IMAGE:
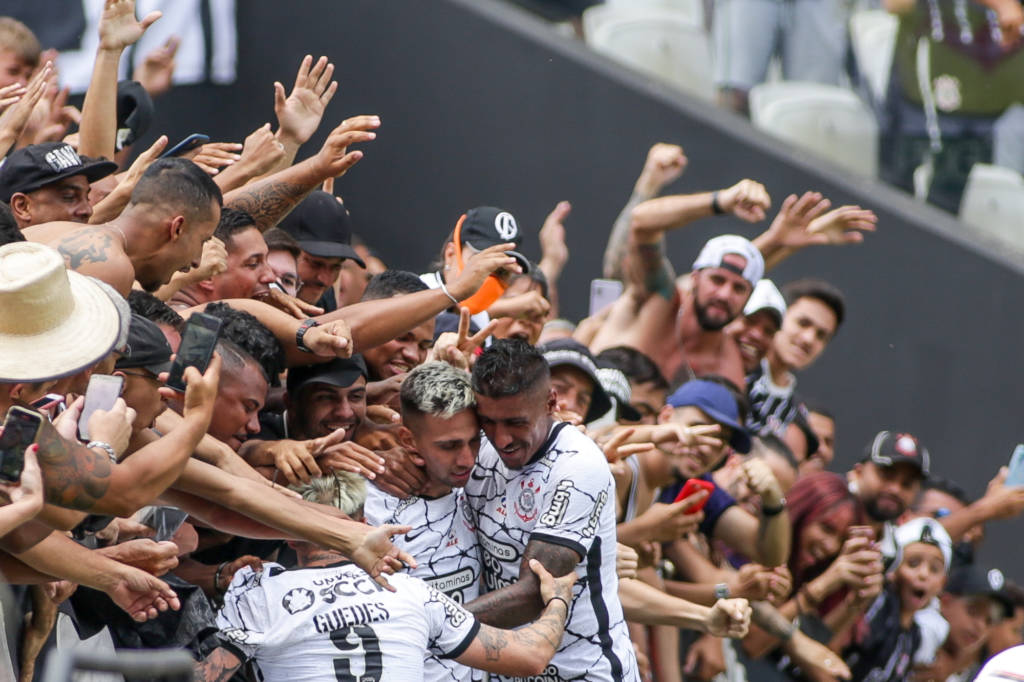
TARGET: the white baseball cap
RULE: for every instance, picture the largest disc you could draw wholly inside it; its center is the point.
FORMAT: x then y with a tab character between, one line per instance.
716	249
766	296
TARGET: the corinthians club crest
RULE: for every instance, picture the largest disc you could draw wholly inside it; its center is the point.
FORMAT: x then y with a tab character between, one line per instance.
526	504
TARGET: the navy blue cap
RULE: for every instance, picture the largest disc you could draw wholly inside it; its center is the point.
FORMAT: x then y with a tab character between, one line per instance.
717	402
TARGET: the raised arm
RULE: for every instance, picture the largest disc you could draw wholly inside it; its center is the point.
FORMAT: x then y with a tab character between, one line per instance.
299	114
118	30
664	164
648	605
270	199
528	650
769	535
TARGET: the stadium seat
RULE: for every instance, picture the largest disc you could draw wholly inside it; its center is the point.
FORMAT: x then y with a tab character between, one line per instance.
825	119
993	201
662	41
873	37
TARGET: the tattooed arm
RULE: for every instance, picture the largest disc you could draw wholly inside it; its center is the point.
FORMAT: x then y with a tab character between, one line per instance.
521	601
272	198
528	650
98	252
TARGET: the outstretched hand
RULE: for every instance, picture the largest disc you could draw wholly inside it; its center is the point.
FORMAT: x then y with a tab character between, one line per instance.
299	114
376	554
334	159
118	26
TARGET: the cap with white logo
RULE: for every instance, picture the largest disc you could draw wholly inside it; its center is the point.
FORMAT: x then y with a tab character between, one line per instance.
486	226
37	165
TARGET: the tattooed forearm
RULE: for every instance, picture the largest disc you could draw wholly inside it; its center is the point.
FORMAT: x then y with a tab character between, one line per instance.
546	631
494	640
618	242
219	665
74	476
268	200
654	269
85	246
768	618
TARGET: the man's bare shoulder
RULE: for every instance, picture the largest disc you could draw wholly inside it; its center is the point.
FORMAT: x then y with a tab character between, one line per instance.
94	251
47	233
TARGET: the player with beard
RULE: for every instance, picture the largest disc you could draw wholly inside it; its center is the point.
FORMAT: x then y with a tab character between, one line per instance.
888	480
681	331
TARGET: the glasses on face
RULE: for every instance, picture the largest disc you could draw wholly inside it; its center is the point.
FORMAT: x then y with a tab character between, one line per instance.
290	281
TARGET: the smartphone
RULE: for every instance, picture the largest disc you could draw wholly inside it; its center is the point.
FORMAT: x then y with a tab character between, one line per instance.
1016	474
603	292
20	430
102	393
690	487
188	144
197	344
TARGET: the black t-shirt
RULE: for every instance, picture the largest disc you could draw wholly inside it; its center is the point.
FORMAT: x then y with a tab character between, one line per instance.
882	651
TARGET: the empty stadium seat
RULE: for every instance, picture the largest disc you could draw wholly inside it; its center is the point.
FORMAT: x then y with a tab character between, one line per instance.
993	201
826	119
873	37
662	41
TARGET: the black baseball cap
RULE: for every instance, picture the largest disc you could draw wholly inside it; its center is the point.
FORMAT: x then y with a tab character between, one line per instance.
562	352
889	448
486	226
340	372
147	347
134	113
37	165
972	580
322	227
616	385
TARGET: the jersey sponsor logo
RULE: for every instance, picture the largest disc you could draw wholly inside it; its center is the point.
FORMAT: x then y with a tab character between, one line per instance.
526	506
495	555
550	674
595	516
298	600
453	583
452	611
559	504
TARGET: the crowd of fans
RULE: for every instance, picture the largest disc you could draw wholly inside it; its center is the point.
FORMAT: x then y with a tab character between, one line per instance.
384	475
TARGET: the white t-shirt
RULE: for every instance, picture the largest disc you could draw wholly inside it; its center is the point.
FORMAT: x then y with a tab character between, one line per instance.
566	496
335	624
443	540
1006	666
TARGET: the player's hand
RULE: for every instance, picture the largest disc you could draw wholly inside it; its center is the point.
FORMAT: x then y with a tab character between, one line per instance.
747	200
376	555
626	561
227	574
550	586
729	618
113	426
814	656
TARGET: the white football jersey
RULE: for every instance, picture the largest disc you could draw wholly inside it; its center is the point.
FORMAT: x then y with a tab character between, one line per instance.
335	624
443	540
566	496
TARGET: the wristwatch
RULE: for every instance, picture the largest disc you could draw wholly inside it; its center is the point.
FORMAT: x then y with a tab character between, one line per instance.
301	332
773	511
722	591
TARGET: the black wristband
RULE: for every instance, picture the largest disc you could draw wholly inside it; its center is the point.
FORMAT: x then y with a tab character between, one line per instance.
548	602
716	207
774	511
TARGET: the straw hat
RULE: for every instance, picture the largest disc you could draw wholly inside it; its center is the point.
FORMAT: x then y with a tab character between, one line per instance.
53	322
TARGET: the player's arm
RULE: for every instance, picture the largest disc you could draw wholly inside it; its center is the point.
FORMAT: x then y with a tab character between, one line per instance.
521	602
218	666
528	650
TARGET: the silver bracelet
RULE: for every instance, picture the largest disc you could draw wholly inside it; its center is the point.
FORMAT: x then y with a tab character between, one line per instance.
106	447
448	293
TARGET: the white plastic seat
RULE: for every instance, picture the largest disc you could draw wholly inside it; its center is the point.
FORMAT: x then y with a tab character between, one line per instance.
666	42
873	37
828	120
993	201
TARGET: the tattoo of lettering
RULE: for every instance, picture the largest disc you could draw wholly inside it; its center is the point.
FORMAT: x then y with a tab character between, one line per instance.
85	246
656	271
219	665
268	201
74	476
